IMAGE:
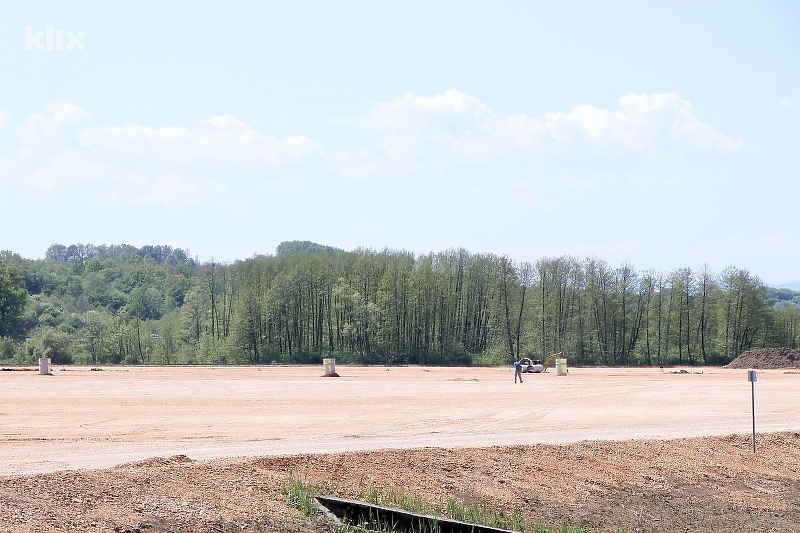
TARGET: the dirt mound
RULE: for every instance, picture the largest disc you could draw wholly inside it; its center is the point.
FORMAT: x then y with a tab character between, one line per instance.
708	484
767	358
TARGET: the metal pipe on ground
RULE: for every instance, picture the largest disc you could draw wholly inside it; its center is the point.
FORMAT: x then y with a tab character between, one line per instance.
362	513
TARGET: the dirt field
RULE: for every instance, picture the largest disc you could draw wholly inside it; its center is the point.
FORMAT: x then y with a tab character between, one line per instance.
641	448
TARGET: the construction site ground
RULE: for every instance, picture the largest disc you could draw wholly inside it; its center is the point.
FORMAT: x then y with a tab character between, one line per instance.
207	448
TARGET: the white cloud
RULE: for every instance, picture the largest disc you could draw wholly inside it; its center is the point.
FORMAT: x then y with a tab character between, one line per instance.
453	129
644	123
65	172
56	124
599	129
432	134
58	151
450	108
218	140
700	135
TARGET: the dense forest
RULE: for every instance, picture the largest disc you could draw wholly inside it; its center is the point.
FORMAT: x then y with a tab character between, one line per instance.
86	304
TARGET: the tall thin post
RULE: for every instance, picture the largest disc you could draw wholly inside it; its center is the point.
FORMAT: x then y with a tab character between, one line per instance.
753	395
752	377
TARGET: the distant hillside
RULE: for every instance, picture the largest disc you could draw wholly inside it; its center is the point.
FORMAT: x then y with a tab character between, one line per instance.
782	297
793	286
306	247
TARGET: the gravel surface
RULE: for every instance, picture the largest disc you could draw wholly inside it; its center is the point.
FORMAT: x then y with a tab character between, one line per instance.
699	484
207	449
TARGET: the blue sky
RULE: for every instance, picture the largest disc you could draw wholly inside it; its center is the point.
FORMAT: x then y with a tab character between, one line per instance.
664	134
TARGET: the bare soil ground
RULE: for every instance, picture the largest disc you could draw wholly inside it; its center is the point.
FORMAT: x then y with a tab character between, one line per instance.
767	358
207	449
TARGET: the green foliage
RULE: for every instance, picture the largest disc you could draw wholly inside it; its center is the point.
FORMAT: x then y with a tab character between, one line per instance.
480	513
154	305
300	495
55	345
13	297
305	247
8	348
783	298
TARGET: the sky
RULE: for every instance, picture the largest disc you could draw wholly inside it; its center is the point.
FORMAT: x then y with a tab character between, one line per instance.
659	134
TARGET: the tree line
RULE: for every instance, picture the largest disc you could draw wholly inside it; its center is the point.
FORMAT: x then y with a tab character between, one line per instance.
156	305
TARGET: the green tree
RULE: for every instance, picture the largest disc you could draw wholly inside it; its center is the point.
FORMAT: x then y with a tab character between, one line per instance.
106	303
508	279
248	328
55	345
706	289
13	298
94	330
745	309
786	327
168	337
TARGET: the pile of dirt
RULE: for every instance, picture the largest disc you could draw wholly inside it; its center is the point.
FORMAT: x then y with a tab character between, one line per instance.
710	484
767	358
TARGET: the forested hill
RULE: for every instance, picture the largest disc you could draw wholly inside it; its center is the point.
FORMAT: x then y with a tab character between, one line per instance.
305	247
88	304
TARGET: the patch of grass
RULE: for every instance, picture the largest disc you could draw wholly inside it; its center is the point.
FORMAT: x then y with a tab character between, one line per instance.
456	509
300	495
479	513
399	499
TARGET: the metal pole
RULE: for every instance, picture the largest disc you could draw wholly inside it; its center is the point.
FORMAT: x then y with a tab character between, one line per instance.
753	394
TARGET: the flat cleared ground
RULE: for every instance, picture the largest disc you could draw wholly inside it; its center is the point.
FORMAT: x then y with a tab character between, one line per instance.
207	449
79	418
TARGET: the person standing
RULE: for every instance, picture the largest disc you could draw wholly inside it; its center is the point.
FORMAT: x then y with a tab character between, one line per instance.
517	371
